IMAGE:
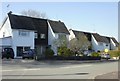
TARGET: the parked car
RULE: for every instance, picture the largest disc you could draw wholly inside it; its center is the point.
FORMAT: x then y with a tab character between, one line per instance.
7	53
105	56
28	54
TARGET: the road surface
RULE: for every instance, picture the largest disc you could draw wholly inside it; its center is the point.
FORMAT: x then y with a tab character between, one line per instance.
29	69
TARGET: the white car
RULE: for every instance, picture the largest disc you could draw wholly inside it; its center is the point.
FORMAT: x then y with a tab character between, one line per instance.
105	56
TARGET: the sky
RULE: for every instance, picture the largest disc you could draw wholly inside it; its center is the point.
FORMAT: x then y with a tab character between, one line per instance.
95	17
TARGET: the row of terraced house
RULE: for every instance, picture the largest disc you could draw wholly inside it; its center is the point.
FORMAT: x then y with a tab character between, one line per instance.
23	33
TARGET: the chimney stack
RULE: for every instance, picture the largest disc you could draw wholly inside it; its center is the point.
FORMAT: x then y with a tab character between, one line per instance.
9	12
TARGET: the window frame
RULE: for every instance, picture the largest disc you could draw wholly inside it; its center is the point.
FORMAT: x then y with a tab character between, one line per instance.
35	35
24	33
42	36
100	44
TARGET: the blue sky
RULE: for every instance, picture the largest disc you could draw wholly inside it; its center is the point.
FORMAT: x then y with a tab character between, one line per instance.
99	17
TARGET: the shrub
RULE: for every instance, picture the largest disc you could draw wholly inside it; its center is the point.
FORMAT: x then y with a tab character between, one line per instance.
49	52
68	53
61	51
65	52
95	54
114	53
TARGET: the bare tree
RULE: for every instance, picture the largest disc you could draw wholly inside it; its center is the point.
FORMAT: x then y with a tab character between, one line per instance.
61	41
80	43
34	13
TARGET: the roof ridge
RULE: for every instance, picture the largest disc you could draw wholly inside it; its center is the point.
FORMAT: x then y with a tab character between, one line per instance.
27	16
55	20
82	31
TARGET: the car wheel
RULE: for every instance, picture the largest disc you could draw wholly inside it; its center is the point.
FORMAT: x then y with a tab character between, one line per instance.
7	57
12	57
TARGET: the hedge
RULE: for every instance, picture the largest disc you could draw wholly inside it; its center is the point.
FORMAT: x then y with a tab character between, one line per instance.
95	54
114	53
65	52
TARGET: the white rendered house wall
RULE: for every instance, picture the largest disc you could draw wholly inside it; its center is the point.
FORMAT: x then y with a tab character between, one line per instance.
5	30
72	35
51	38
99	46
113	45
22	41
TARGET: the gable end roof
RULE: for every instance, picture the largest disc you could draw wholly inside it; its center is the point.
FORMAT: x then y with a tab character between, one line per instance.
58	27
21	22
115	41
87	34
100	38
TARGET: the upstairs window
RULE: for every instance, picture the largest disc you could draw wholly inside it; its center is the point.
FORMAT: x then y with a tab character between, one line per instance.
42	36
36	35
106	44
23	33
100	43
3	34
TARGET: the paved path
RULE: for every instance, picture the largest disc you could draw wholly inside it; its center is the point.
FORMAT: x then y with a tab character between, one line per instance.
111	75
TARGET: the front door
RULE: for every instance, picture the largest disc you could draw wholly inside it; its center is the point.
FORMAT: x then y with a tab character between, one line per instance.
19	51
40	50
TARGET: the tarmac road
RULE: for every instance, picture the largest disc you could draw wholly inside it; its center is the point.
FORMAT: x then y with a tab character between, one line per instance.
30	69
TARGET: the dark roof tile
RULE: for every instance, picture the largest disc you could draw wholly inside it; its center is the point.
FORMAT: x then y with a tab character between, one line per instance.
100	38
21	22
115	41
58	27
87	34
